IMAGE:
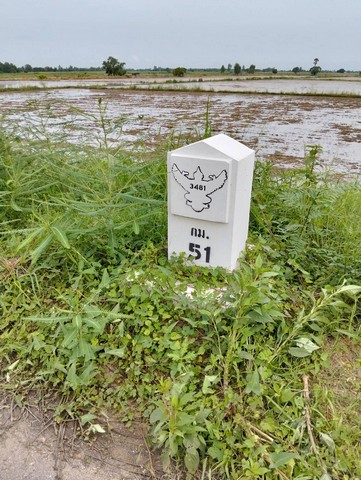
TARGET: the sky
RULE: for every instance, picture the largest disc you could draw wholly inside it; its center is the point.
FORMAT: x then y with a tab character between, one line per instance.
190	33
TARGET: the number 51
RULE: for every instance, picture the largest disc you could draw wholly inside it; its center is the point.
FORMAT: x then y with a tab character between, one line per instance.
195	248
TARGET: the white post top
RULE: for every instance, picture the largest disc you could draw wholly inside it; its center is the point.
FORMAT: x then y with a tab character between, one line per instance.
219	146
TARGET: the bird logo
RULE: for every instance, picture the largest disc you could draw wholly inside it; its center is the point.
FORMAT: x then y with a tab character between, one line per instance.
198	188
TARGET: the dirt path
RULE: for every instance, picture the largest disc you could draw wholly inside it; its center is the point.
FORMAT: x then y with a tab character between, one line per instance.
32	449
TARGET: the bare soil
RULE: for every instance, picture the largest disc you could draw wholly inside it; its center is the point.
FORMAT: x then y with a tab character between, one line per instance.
32	447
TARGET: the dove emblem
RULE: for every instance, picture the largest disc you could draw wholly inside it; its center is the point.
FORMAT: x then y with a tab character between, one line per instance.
198	188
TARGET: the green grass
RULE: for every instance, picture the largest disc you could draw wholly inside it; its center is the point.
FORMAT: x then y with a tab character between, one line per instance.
245	378
53	75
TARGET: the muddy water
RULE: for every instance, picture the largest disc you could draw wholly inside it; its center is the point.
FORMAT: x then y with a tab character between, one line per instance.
309	86
332	86
277	127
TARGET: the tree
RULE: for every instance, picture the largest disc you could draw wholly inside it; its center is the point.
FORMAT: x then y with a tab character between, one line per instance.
296	69
179	71
237	68
251	68
7	67
315	69
113	67
229	67
27	68
223	69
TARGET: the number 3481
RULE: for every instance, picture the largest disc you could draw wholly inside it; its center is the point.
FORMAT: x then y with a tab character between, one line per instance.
197	186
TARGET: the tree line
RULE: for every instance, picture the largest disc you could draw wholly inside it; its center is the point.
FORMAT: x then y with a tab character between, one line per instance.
237	69
113	67
7	67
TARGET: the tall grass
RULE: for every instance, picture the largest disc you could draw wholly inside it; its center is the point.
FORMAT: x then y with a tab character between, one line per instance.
311	218
79	200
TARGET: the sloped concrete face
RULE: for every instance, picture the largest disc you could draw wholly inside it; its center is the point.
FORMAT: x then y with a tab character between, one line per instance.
209	194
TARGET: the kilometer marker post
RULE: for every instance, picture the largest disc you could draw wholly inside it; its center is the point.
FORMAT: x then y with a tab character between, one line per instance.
209	196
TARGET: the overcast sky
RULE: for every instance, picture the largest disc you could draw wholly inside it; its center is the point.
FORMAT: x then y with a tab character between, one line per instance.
189	33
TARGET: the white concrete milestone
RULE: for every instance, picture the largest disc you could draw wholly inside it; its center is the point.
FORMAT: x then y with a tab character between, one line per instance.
209	196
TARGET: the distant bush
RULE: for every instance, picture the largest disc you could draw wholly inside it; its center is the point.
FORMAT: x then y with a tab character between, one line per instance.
315	70
179	71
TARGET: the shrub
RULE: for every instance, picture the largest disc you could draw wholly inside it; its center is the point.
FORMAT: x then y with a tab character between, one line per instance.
179	71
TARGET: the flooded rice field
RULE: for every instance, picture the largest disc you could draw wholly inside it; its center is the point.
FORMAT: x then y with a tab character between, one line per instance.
307	86
297	86
278	127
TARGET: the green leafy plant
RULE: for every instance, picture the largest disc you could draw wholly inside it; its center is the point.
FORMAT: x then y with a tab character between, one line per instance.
178	423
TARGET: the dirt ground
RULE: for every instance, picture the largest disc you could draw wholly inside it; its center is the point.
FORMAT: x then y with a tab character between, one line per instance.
32	449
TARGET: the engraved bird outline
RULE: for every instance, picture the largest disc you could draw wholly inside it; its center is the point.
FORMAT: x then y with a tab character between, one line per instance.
198	199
